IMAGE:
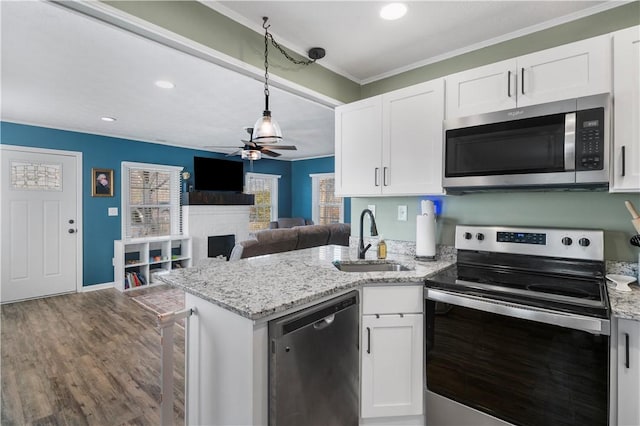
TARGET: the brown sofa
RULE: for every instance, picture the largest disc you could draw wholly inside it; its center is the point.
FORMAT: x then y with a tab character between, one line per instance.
289	222
270	241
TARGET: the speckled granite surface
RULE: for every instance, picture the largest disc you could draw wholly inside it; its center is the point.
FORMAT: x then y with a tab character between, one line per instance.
624	304
261	286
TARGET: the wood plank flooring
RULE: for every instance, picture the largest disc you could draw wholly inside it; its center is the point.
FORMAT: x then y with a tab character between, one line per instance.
84	359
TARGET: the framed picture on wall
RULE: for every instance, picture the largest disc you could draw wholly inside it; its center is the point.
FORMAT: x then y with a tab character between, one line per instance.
102	182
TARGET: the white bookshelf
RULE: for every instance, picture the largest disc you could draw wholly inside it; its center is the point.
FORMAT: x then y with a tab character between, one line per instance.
146	257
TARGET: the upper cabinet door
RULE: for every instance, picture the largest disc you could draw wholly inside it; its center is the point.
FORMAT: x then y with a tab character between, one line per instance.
483	89
412	139
626	98
358	146
569	71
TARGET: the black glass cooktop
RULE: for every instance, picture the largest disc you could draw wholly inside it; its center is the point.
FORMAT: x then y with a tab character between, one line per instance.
558	289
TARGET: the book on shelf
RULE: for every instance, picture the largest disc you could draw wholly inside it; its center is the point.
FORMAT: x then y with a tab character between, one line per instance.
134	279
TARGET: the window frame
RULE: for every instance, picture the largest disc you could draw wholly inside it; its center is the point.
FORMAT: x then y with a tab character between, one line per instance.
175	226
274	191
315	196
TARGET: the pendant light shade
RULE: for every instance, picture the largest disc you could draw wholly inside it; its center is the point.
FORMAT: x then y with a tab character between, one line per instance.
266	129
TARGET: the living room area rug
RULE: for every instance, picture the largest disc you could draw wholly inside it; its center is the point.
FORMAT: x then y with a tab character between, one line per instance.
159	299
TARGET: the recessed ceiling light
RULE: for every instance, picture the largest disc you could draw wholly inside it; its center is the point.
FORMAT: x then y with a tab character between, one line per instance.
393	11
109	119
164	84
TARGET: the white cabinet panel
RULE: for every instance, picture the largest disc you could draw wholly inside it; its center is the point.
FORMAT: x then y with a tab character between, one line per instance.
392	365
391	144
482	89
564	72
626	99
412	139
569	71
628	372
393	300
358	145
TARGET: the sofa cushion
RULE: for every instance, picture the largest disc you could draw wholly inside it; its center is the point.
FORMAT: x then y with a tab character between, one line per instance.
287	222
312	236
271	241
339	233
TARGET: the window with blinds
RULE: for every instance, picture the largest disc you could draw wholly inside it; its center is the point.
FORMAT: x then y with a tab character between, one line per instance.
150	200
326	207
265	209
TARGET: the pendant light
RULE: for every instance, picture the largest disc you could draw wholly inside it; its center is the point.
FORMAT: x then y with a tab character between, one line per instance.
266	130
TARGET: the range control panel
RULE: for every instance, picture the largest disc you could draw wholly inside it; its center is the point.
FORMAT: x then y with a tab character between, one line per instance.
587	244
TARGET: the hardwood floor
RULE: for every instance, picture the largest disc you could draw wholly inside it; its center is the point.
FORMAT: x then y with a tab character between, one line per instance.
84	359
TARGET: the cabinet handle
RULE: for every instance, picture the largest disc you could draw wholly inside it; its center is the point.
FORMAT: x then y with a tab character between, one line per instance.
375	176
384	176
509	83
368	340
626	350
522	80
623	160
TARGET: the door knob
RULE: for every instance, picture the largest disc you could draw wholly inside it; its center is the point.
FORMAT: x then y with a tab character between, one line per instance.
71	231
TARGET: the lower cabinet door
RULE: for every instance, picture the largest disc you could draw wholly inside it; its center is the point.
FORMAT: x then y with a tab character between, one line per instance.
628	372
392	370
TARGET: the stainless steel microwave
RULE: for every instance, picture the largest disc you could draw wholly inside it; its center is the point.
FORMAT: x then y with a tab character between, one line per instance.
562	144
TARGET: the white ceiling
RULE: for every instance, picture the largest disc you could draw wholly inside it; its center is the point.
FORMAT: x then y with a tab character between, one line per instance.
65	70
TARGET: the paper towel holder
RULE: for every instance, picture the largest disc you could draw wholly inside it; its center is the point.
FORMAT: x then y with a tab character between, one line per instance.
425	258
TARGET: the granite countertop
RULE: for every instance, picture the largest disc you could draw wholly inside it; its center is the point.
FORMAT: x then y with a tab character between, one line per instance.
624	304
260	286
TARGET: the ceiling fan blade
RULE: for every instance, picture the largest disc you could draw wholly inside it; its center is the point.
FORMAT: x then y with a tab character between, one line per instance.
286	147
270	153
234	153
250	143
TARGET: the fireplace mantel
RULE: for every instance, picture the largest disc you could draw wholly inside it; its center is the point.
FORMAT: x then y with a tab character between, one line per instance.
212	198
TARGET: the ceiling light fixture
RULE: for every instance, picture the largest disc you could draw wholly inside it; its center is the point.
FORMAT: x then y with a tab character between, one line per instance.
393	11
251	154
266	129
108	119
164	84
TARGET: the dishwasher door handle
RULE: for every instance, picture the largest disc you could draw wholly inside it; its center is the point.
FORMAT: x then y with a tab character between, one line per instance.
325	322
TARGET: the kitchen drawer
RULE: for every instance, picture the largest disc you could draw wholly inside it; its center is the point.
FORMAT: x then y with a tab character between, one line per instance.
393	299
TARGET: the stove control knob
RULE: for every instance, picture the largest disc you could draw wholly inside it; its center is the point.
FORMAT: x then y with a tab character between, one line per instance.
480	236
584	242
467	235
567	241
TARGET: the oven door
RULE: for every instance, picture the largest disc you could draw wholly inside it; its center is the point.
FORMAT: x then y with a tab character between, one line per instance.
525	366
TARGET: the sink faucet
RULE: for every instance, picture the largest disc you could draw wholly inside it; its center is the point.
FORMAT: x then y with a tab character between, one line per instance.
374	232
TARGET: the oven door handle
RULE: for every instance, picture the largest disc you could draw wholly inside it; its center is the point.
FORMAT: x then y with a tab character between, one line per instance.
566	320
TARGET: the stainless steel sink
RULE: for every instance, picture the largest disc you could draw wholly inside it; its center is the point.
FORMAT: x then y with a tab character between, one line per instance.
370	267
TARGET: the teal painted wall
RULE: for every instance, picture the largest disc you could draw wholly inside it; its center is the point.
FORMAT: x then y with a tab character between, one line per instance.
101	230
597	210
301	185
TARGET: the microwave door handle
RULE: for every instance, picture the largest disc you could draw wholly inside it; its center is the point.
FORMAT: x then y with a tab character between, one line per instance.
570	141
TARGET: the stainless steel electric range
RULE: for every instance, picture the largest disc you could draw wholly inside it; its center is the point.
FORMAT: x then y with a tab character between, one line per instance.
517	331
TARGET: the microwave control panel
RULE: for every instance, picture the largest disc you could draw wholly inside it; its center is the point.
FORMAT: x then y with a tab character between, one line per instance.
590	139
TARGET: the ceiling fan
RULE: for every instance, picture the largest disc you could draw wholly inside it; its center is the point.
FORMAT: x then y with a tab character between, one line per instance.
266	149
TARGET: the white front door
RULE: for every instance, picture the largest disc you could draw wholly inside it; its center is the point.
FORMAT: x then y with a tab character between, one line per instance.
39	223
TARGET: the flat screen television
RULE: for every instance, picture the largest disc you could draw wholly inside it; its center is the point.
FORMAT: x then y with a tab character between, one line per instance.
213	174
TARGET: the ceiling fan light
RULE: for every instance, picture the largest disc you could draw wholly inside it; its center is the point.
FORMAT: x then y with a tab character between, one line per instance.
266	130
251	154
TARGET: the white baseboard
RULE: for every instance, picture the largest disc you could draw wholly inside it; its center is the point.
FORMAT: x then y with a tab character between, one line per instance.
96	287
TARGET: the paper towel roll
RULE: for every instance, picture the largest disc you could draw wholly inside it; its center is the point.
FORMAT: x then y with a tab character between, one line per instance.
425	235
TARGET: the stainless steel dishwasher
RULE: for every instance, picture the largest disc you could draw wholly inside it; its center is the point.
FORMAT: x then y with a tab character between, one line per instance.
313	365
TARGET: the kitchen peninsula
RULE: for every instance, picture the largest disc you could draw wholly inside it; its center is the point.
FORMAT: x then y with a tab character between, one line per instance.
233	301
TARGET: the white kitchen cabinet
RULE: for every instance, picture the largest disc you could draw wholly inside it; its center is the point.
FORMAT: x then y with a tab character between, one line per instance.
626	99
392	352
391	144
628	372
568	71
358	147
